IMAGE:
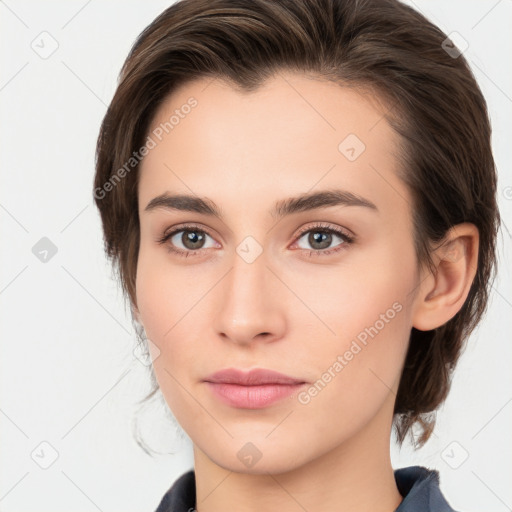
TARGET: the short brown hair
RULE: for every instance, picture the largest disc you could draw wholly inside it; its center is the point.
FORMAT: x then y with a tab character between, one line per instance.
434	103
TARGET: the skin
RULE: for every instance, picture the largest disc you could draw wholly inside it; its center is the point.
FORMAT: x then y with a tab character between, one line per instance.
287	310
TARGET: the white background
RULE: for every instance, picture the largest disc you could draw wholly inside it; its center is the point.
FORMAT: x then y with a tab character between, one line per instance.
67	373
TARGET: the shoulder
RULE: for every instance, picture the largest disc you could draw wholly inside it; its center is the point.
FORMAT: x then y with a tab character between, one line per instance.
181	497
420	488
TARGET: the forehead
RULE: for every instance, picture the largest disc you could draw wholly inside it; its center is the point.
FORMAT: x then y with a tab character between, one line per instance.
283	99
293	133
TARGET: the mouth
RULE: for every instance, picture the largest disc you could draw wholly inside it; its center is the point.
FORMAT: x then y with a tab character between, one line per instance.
256	377
255	389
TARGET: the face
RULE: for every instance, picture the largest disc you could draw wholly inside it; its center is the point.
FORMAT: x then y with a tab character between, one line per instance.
320	290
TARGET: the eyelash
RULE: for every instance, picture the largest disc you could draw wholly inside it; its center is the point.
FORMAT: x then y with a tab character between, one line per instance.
320	227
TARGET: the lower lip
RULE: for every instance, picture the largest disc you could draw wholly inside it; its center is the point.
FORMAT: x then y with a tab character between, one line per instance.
252	397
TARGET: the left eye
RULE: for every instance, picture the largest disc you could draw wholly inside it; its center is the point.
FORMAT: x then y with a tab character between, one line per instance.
322	238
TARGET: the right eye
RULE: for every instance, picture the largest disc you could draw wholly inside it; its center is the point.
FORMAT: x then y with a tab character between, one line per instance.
185	240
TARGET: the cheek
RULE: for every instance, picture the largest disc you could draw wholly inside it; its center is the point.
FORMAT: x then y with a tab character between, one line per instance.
164	292
160	296
170	299
353	294
363	329
163	303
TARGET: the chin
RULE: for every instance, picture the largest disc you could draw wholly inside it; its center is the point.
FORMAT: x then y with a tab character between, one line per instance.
258	456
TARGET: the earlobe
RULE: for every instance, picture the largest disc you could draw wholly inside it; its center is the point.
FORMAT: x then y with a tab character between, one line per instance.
445	288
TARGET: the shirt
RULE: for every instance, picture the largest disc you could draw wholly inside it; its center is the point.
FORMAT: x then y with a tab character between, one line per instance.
419	487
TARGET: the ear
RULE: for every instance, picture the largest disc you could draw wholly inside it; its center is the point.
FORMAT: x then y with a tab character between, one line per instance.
444	289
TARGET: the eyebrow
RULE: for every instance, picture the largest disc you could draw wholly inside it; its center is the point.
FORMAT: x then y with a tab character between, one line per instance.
282	208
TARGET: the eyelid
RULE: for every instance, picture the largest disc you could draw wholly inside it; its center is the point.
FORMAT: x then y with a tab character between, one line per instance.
327	227
183	227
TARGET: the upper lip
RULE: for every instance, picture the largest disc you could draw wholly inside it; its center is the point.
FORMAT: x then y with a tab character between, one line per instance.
254	377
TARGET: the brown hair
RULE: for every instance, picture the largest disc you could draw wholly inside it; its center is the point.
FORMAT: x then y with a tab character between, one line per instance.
434	103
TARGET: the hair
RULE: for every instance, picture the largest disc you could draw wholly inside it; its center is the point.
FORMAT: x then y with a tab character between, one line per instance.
433	103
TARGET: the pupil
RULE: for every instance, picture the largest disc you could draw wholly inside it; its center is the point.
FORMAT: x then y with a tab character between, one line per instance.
321	238
191	239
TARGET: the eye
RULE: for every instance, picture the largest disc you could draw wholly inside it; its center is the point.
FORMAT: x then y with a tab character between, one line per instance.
186	240
321	237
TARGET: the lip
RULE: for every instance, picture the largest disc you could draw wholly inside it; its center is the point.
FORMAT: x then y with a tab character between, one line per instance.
258	376
255	389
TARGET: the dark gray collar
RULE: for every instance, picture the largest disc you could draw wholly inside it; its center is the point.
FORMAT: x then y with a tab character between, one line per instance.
418	485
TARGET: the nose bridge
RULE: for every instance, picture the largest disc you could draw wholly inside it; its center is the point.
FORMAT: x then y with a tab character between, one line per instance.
249	302
248	282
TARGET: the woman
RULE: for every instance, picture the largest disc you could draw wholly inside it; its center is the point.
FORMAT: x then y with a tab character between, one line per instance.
300	199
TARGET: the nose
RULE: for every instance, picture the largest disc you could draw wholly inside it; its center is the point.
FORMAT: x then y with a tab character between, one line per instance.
251	303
